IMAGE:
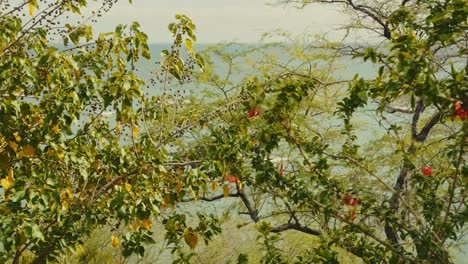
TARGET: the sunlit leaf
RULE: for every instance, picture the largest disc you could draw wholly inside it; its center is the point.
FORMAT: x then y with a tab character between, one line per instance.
189	45
147	224
214	186
29	150
60	154
226	190
7	182
135	131
14	146
114	241
56	129
31	8
190	238
17	137
239	184
118	127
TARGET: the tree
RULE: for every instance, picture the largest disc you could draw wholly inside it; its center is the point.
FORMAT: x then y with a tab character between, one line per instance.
285	143
72	114
278	151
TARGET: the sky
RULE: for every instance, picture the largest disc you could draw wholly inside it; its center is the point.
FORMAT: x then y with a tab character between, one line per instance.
222	20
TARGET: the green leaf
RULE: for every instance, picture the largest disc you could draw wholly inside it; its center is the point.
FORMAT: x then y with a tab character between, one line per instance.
51	181
33	231
19	195
242	259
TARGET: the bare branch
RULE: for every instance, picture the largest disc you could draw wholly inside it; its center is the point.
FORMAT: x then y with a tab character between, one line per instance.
391	110
417	113
212	199
295	226
427	128
253	212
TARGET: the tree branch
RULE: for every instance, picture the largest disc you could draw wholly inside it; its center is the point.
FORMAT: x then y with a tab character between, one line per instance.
392	110
417	113
295	226
427	128
211	199
253	212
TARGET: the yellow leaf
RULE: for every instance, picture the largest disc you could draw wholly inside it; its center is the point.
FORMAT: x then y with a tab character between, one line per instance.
31	8
115	241
239	184
69	192
214	186
56	129
7	183
226	190
118	127
28	150
128	187
14	146
60	154
136	224
190	238
189	45
17	137
135	131
147	224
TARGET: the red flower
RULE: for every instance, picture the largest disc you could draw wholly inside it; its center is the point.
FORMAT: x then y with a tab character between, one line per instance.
457	106
254	112
231	178
426	171
462	113
349	200
281	170
353	201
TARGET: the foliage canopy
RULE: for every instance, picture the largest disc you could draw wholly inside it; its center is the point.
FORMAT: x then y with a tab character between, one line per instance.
86	143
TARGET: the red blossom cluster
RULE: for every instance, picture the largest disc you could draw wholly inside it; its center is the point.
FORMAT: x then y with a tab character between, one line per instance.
254	112
349	200
426	171
231	178
462	113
